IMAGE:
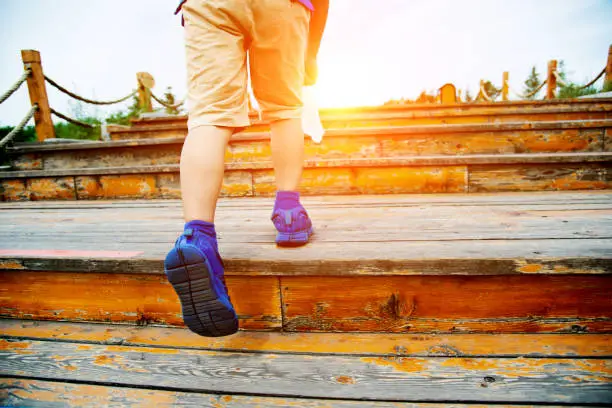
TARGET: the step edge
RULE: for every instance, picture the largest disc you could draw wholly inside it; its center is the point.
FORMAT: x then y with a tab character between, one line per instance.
402	161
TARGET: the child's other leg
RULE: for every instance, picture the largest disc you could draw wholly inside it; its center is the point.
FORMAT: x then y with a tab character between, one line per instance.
277	61
287	153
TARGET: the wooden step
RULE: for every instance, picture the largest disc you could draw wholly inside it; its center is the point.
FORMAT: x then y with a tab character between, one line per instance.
342	144
384	175
163	366
503	263
402	115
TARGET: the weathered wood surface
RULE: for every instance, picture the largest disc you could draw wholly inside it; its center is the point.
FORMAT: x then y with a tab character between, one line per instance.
376	344
16	392
500	304
336	124
406	115
138	299
459	379
472	304
399	161
367	177
568	128
540	177
535	233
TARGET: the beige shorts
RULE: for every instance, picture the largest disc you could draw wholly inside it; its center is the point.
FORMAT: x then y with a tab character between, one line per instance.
218	36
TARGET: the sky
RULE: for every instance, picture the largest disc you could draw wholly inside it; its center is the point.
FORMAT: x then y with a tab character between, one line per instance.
372	51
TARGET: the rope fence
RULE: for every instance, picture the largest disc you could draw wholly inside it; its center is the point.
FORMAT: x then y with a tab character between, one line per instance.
83	99
603	71
166	105
19	127
41	111
71	120
16	85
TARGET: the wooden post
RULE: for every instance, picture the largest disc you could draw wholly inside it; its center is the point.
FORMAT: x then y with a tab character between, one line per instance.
145	83
608	78
551	78
38	95
505	86
448	94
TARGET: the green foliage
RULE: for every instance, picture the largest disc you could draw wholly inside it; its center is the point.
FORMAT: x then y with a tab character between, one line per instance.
65	130
573	91
28	134
124	117
607	87
568	89
532	83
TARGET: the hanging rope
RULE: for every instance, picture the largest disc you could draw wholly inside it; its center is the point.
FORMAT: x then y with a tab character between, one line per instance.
19	127
165	104
603	71
530	94
484	94
82	99
560	80
70	120
16	85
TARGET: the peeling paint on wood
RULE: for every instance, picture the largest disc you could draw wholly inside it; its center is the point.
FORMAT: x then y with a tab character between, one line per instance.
448	304
478	380
533	177
136	299
405	180
61	188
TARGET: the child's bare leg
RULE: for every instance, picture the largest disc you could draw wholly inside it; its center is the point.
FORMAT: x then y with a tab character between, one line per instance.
287	153
202	166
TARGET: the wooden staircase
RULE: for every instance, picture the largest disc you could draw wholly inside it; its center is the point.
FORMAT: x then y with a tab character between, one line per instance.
496	294
488	148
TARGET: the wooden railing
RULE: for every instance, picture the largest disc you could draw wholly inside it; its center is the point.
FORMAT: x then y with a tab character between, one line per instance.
41	111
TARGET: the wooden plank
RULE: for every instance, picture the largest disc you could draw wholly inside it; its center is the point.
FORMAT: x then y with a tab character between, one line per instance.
314	181
531	177
489	199
447	304
519	141
572	140
374	131
507	380
386	162
36	393
375	344
534	257
138	299
402	180
51	188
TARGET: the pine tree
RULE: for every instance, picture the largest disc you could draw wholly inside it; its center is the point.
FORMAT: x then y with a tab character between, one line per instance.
532	83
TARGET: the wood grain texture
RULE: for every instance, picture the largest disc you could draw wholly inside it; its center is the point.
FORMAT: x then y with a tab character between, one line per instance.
533	177
331	133
364	344
137	299
446	304
354	162
51	188
399	115
530	233
526	380
37	393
